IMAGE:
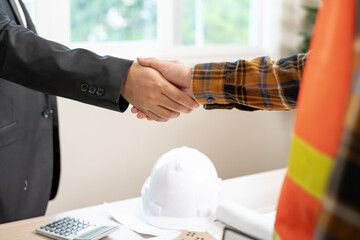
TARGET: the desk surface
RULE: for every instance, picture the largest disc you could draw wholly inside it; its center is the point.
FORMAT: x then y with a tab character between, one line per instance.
259	192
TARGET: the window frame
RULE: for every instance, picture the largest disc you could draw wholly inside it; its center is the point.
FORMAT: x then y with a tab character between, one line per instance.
53	18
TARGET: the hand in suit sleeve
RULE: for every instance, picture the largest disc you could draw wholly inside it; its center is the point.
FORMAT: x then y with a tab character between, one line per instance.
49	67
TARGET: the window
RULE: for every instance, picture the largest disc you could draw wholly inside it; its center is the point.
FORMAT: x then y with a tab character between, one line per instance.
207	22
31	7
190	30
119	20
113	20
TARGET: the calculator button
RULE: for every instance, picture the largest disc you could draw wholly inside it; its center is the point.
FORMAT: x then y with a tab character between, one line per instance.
66	226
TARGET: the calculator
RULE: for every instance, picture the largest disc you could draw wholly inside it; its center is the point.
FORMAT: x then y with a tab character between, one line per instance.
69	228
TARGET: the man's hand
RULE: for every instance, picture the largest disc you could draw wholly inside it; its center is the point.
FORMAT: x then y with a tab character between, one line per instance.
174	71
153	95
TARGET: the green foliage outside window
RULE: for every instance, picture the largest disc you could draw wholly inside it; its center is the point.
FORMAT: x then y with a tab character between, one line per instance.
113	20
119	20
225	23
309	27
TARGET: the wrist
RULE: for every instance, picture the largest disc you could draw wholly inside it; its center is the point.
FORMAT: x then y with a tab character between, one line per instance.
128	79
189	74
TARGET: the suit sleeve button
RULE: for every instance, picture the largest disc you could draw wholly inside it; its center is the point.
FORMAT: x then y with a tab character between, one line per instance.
211	100
100	91
46	113
92	90
84	87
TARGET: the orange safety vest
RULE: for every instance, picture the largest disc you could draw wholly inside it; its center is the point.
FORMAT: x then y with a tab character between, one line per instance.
323	107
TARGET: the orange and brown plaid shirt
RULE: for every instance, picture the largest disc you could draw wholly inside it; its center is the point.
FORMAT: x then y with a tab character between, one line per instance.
260	84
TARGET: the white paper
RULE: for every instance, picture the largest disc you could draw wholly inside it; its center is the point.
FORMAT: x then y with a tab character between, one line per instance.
171	236
247	220
124	233
215	229
130	214
99	217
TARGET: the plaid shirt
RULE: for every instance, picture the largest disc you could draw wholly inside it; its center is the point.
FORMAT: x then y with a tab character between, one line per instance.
260	84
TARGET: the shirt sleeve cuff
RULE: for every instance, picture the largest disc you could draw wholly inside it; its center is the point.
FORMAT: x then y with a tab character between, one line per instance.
208	83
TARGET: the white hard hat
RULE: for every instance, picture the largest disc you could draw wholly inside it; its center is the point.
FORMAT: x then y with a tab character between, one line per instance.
183	190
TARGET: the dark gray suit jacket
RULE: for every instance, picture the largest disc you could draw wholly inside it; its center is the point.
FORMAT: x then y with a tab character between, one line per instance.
32	71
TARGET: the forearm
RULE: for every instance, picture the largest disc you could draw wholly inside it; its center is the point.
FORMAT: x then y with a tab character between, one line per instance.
260	84
52	68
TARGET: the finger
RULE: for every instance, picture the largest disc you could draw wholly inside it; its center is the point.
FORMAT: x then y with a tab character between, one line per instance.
134	110
164	112
155	63
155	117
168	61
178	96
168	103
141	115
174	61
145	62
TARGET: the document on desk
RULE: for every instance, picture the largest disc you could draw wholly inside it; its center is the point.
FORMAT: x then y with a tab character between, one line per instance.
130	214
247	220
124	233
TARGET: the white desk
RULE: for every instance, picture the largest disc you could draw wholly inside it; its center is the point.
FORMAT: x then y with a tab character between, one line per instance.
259	192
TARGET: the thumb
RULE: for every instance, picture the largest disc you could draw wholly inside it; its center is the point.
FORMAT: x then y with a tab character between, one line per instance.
154	63
145	62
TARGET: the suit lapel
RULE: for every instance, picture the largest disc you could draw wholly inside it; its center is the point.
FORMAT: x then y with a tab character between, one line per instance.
16	11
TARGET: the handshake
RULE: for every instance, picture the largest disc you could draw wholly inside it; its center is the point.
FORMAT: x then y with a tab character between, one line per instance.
159	89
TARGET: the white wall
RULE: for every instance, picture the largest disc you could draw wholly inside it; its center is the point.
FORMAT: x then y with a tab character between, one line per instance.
106	156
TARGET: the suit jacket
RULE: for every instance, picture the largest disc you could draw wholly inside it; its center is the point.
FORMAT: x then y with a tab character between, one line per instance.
32	71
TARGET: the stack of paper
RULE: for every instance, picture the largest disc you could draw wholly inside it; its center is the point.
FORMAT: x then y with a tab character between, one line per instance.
247	220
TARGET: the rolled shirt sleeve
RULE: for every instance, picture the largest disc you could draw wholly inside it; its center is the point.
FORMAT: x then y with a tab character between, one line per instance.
259	84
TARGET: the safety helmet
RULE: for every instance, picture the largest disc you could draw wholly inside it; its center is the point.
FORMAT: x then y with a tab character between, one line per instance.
182	191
